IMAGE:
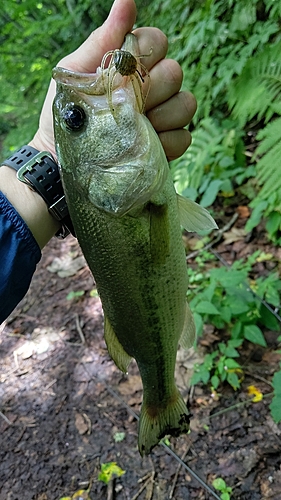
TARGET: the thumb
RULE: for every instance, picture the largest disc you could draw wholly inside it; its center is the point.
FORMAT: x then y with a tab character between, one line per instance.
109	36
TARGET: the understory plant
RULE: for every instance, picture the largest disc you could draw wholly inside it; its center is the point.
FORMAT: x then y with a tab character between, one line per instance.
235	305
230	52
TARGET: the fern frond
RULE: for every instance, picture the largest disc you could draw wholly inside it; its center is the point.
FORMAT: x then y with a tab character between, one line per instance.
189	169
256	90
269	166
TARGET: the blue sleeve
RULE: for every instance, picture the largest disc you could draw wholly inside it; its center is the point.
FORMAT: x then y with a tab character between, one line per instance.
19	255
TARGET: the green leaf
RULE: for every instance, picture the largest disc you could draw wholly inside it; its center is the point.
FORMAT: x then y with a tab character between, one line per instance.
235	342
233	380
231	352
219	484
268	319
225	496
210	194
276	381
215	381
206	307
229	277
236	331
109	471
275	408
256	215
226	313
275	405
198	323
231	364
75	295
254	334
119	436
238	306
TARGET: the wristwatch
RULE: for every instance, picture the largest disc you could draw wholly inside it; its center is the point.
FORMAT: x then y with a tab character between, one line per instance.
41	173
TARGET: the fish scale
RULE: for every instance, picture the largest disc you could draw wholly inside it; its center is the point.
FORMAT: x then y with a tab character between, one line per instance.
127	216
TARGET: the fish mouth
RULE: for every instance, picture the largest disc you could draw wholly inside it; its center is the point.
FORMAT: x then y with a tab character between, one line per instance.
88	83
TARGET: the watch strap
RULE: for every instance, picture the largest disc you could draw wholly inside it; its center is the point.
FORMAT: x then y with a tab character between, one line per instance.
41	173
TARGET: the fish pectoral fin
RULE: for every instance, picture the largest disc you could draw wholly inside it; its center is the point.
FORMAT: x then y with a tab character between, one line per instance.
155	423
193	217
189	331
115	349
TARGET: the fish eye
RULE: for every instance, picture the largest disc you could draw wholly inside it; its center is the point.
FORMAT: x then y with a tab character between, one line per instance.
74	117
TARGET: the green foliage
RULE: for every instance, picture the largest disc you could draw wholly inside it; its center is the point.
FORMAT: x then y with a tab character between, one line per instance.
109	471
275	405
257	90
230	52
119	436
75	295
220	366
212	162
220	485
34	37
268	200
224	298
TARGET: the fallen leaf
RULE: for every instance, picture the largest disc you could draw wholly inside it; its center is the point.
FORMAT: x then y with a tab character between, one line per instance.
67	265
130	385
41	341
243	211
235	234
81	424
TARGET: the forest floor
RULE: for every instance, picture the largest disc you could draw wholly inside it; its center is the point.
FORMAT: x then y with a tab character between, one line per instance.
62	416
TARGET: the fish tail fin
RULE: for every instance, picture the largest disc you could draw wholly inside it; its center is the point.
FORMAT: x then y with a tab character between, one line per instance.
155	423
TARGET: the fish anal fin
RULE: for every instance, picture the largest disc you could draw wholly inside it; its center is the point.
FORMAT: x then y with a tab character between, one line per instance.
115	349
193	217
189	330
155	423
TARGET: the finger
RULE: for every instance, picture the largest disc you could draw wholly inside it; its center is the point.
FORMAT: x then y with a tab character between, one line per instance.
166	80
152	42
109	36
175	142
174	113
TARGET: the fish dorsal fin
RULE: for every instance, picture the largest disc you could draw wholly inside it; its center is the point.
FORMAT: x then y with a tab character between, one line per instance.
189	331
115	349
193	217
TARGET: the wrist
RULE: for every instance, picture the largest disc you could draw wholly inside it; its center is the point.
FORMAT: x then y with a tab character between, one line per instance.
39	173
30	206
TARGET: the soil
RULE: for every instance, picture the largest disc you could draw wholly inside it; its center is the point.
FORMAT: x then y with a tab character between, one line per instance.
63	401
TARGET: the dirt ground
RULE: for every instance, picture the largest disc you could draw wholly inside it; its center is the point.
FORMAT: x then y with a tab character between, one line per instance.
62	416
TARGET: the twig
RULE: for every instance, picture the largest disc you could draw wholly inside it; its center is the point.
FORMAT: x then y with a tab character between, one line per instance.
233	407
79	329
150	479
258	377
88	422
191	472
110	489
5	418
168	450
177	474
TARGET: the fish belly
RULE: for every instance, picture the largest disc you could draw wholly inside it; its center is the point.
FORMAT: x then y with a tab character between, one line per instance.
138	262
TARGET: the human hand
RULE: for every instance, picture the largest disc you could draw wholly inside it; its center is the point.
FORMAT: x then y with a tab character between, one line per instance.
168	109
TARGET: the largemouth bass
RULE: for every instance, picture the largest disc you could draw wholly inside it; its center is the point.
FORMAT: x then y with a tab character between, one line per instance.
127	217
